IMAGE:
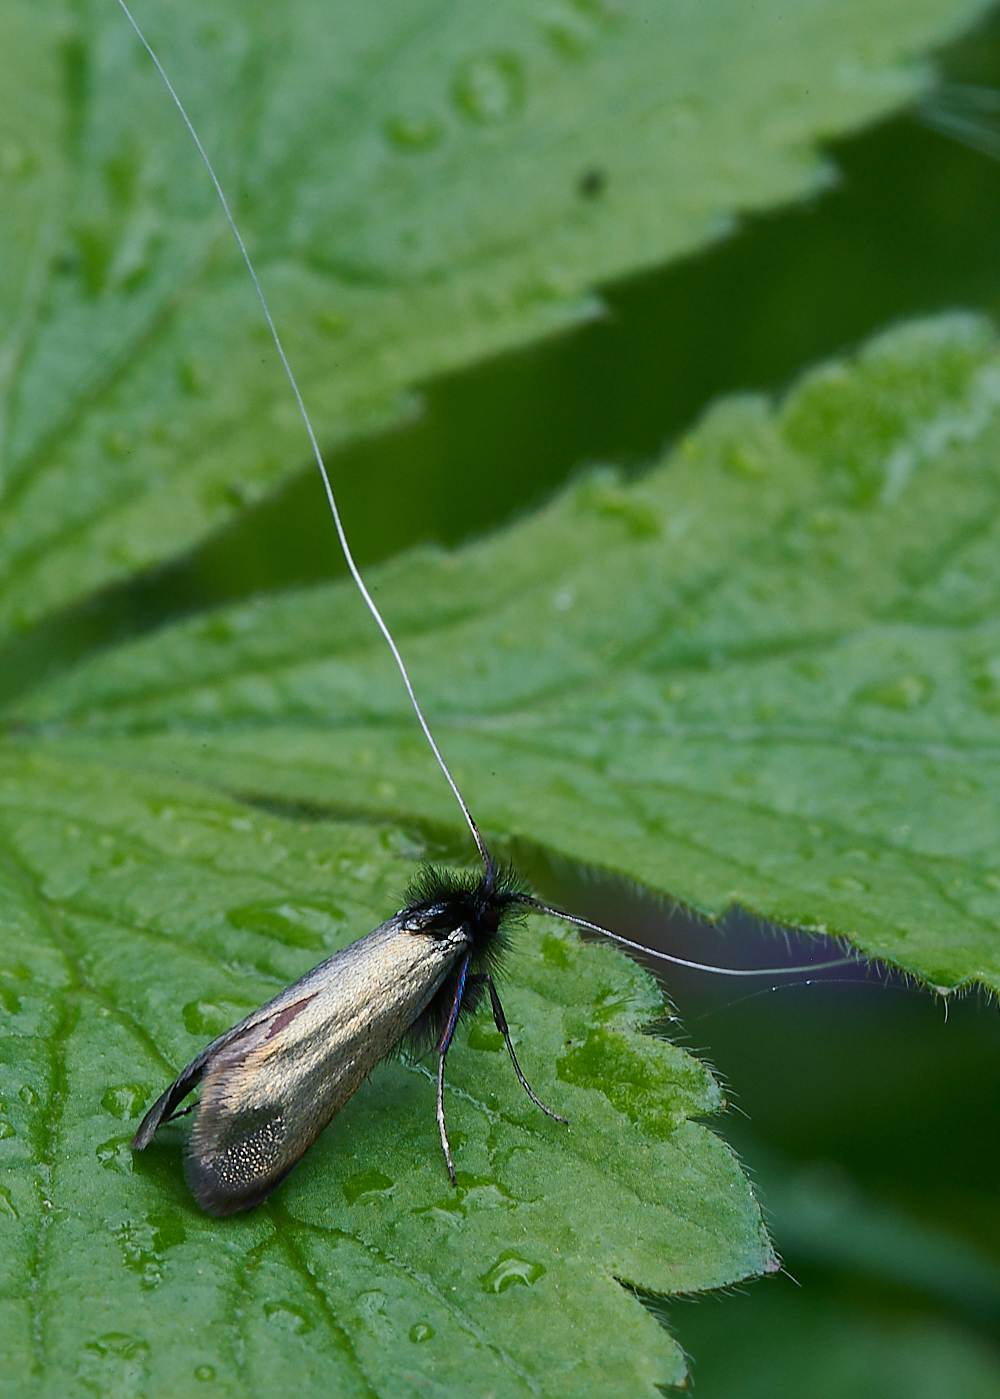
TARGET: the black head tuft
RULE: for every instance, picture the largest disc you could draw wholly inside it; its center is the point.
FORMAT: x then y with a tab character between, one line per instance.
489	904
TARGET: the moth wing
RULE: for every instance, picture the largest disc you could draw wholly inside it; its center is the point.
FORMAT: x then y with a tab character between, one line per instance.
268	1092
266	1096
191	1075
273	1082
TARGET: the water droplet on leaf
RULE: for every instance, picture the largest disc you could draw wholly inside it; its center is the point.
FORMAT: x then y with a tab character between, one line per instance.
295	925
115	1155
510	1269
488	1041
366	1183
125	1100
212	1018
900	692
289	1315
413	133
489	88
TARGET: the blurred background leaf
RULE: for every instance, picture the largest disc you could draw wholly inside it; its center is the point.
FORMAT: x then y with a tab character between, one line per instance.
419	189
761	675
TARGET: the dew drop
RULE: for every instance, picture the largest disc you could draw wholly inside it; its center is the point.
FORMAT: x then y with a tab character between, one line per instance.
412	133
510	1269
848	884
489	88
289	1315
115	1155
295	925
28	1095
900	692
125	1100
488	1041
366	1183
120	1344
333	323
421	1332
212	1018
204	1372
144	1244
7	1204
6	1130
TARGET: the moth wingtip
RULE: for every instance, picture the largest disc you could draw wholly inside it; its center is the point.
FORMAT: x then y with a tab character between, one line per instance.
217	1201
218	1196
147	1127
142	1137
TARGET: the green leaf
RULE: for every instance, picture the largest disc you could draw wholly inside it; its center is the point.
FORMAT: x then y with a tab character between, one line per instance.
768	672
126	942
420	186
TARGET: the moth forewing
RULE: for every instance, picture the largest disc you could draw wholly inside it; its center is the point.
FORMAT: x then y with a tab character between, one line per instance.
273	1082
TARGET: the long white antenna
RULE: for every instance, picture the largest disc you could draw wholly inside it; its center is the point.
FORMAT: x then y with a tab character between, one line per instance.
681	961
355	573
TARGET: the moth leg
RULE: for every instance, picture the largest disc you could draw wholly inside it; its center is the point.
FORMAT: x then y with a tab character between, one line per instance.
440	1116
181	1112
501	1024
442	1050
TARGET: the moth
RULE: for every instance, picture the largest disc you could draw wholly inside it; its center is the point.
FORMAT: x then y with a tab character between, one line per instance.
272	1083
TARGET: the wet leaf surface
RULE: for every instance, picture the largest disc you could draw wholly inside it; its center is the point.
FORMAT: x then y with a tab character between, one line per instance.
768	672
420	186
366	1271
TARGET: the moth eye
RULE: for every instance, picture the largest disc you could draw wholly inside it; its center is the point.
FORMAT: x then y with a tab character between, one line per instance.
490	919
439	922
